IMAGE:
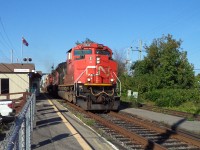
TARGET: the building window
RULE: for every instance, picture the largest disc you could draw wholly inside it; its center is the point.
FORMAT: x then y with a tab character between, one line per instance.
4	86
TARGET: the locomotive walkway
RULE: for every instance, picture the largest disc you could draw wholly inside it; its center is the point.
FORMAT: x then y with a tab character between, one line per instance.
53	132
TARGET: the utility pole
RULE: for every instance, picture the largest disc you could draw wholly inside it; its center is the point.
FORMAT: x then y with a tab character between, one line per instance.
140	50
128	56
11	55
128	60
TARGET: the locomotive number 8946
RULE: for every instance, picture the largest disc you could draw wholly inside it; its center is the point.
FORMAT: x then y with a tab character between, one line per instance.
88	78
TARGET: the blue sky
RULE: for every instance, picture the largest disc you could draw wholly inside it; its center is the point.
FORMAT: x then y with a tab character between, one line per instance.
51	27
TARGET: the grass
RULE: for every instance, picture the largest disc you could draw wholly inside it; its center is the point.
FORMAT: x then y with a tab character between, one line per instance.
90	122
87	121
188	107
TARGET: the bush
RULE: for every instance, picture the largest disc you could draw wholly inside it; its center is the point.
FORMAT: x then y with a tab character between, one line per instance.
172	97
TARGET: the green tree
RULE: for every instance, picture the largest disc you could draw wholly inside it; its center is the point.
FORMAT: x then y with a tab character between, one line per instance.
165	65
197	78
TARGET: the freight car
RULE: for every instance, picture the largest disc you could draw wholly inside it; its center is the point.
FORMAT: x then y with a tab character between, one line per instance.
48	86
88	78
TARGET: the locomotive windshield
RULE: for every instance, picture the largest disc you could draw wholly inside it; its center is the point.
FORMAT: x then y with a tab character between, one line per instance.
80	52
103	52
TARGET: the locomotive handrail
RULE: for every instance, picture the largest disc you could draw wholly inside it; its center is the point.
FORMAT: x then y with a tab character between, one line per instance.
119	82
75	83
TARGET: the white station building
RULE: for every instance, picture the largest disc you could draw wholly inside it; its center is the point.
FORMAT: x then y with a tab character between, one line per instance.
18	77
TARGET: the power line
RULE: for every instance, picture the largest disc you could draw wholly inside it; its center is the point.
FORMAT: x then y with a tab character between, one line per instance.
6	41
6	34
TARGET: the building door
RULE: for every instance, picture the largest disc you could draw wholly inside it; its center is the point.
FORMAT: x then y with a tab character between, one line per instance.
4	86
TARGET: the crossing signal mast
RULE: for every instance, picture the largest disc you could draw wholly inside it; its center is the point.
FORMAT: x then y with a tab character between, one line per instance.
129	54
128	61
139	50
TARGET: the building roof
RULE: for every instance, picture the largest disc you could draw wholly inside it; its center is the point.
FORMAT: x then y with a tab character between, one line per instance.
16	67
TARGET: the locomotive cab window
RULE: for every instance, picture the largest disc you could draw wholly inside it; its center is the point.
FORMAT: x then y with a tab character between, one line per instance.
81	53
69	56
103	52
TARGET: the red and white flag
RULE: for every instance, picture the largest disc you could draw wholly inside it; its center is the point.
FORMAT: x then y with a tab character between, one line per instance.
24	41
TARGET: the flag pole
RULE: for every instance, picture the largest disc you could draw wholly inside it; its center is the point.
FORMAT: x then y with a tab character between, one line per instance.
22	49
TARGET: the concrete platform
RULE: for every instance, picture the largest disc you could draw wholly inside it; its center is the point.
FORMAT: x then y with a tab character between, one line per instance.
51	132
173	121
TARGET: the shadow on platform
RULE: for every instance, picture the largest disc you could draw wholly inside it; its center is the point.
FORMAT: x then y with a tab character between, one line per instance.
48	141
168	133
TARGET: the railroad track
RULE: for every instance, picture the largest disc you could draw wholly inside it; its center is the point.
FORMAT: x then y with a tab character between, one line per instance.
134	133
188	116
165	137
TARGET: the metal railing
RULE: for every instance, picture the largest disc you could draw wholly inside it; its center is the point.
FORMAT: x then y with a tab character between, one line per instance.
19	137
117	83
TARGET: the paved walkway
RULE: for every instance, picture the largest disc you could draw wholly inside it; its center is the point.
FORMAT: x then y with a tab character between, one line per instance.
173	121
50	132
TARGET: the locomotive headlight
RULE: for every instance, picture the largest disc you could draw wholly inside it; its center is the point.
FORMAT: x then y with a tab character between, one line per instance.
111	80
88	79
98	60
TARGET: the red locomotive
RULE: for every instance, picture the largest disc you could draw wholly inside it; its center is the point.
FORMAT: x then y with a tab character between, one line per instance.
88	78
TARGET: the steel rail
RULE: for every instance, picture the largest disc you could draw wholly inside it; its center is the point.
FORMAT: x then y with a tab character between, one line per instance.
151	126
